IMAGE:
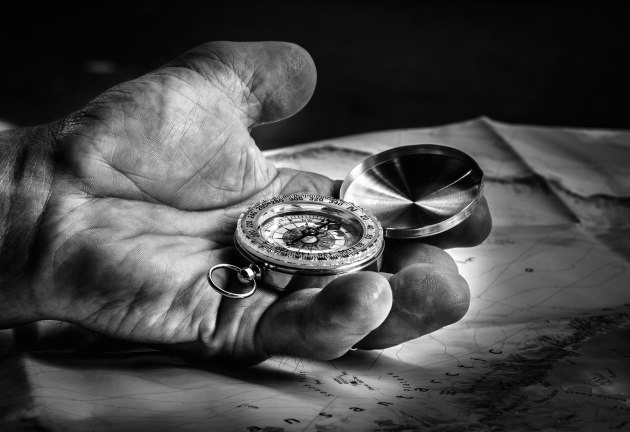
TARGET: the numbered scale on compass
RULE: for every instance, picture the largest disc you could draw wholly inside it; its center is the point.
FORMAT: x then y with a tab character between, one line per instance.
309	234
304	240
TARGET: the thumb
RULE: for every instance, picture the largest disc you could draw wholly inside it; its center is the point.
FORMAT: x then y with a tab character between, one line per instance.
275	79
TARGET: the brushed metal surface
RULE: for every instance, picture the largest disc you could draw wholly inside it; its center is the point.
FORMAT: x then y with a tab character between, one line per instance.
416	191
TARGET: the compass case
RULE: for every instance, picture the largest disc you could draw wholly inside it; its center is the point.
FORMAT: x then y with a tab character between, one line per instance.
416	191
288	240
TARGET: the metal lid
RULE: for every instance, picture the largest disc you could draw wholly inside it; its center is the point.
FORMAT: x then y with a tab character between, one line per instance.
417	190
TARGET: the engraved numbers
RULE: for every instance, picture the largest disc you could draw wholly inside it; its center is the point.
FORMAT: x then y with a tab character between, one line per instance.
307	231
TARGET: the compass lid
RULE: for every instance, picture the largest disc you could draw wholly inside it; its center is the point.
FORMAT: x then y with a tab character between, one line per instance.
417	190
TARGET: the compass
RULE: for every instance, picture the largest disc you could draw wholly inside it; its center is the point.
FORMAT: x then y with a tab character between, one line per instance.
304	240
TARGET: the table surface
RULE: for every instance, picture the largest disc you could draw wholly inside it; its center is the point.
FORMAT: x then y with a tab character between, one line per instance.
545	344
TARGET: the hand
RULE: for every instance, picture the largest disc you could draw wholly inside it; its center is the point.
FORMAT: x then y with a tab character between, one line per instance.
147	183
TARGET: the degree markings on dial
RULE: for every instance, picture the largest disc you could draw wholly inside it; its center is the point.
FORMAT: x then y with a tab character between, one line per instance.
287	232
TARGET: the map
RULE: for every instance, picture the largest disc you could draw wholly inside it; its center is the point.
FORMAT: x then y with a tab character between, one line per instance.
545	344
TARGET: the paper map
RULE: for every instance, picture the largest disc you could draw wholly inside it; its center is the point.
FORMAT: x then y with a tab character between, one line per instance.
545	344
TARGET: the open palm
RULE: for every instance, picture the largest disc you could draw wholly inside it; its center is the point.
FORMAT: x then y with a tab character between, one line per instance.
149	180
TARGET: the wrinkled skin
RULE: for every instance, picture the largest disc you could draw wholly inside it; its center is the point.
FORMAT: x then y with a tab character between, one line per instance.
148	182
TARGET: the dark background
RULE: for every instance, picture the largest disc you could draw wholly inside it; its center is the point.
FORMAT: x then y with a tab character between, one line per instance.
380	66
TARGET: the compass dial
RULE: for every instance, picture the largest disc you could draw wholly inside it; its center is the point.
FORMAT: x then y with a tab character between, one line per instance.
309	234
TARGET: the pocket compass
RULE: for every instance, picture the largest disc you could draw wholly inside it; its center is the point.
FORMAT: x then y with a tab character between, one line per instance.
304	240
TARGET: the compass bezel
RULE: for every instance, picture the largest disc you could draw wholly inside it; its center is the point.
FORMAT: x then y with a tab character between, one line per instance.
255	247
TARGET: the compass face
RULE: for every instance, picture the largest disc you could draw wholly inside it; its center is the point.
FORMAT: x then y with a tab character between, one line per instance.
309	234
